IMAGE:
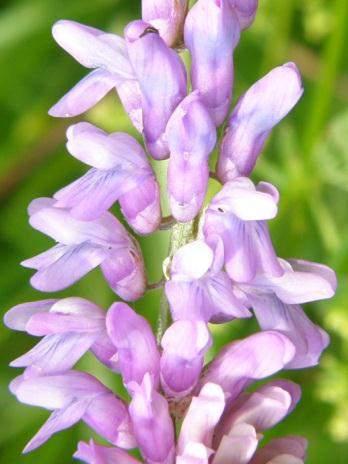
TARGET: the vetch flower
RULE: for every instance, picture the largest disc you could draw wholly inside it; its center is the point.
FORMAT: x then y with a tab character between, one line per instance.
191	137
73	396
212	32
82	246
162	79
120	171
167	16
262	107
238	214
199	288
107	55
70	328
245	11
93	453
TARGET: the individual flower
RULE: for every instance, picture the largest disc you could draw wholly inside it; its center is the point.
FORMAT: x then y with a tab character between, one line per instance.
245	11
275	301
212	32
162	80
70	328
167	16
82	246
107	55
263	106
238	214
137	352
199	288
191	137
74	396
120	171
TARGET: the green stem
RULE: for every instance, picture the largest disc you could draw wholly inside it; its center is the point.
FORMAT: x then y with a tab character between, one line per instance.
181	234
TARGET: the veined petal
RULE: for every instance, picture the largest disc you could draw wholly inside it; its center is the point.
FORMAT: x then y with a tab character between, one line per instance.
245	11
135	343
161	91
141	206
152	424
130	96
201	418
93	48
17	317
263	106
191	137
254	358
124	272
184	345
56	353
212	31
59	420
85	94
70	267
309	339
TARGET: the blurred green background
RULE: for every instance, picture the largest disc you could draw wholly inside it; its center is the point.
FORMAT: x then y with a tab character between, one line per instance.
306	157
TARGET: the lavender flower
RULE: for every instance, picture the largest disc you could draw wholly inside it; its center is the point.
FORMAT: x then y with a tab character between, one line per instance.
221	263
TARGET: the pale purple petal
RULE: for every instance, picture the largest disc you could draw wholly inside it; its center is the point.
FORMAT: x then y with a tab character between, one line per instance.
92	453
184	345
212	31
141	206
168	17
75	263
161	91
17	317
56	353
238	214
59	420
130	96
93	48
108	416
133	338
262	409
84	95
308	338
290	446
152	424
201	418
198	289
191	137
254	358
102	150
238	446
124	272
194	453
263	106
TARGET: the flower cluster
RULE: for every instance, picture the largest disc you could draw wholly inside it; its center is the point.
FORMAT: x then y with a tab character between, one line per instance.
221	265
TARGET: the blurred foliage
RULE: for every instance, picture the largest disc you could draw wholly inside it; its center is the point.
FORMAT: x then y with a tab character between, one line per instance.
306	157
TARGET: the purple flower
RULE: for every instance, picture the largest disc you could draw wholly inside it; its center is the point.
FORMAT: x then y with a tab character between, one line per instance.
263	106
120	171
152	424
184	346
167	16
199	289
70	328
107	55
238	214
82	246
162	79
73	396
137	352
191	137
254	358
212	32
